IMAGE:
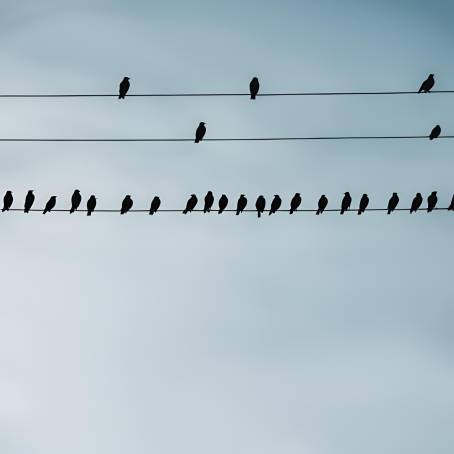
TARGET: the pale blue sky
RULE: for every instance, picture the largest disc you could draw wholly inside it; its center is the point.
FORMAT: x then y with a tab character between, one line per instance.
223	334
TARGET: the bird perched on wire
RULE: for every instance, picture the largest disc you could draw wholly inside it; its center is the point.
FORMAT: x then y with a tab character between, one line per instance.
322	204
200	132
29	200
275	204
435	132
428	84
295	203
91	205
451	205
209	200
393	202
190	205
7	201
363	203
432	201
75	201
126	205
124	87
260	205
241	204
50	205
346	202
223	202
254	87
417	201
155	204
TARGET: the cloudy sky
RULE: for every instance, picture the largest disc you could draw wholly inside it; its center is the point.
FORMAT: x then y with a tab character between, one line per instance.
226	334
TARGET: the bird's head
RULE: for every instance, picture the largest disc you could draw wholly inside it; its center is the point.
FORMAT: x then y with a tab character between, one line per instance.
126	78
431	76
394	193
297	193
418	194
202	123
76	190
193	195
128	196
346	193
434	192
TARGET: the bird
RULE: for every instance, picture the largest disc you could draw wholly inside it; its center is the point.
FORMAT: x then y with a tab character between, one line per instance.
254	87
363	204
126	205
155	204
209	200
417	201
322	204
432	201
346	202
91	205
7	201
435	132
241	205
428	84
50	205
393	201
75	201
29	200
260	205
275	204
124	87
190	205
295	203
223	202
200	132
451	205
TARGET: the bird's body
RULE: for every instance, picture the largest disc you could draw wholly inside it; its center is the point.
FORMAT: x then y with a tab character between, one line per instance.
91	205
29	200
209	200
50	205
124	87
295	203
451	205
75	201
427	85
223	202
363	203
275	204
346	203
260	205
200	132
126	205
241	205
417	201
254	87
7	201
393	202
155	204
435	132
322	204
190	205
432	201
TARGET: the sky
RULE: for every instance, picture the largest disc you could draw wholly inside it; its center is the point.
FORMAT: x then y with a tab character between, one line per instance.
206	333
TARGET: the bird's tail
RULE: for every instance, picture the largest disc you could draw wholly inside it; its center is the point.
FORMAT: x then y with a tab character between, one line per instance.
71	211
185	212
429	210
237	212
220	211
26	210
342	211
318	212
360	211
270	212
389	211
259	213
196	141
291	211
252	96
151	212
121	97
88	213
4	209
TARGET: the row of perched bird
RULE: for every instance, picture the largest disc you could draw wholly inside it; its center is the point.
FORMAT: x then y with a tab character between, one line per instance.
260	204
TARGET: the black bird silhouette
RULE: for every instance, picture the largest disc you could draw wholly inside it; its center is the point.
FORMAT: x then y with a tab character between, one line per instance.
417	201
435	132
322	204
124	87
363	204
29	200
346	202
223	202
241	205
275	204
7	201
209	200
254	87
432	201
393	201
295	203
260	205
126	205
155	204
190	205
200	132
451	205
91	205
75	201
428	84
50	205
